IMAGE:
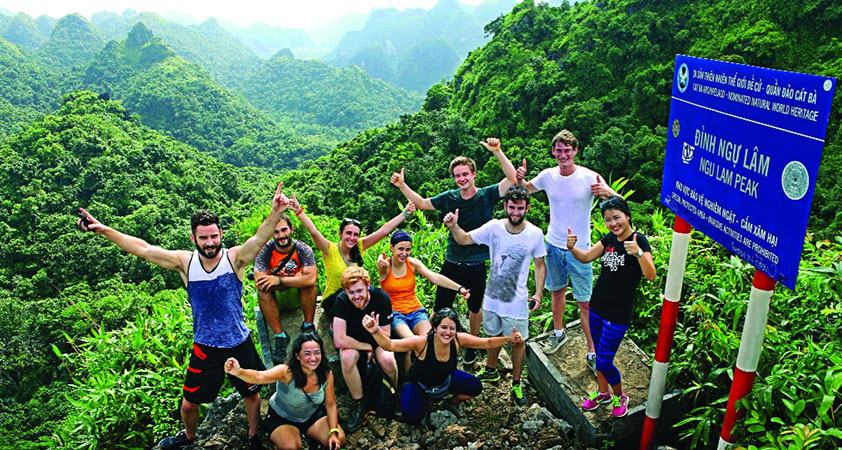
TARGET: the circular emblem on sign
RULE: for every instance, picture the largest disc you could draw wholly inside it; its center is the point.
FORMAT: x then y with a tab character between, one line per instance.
828	85
795	180
683	77
676	128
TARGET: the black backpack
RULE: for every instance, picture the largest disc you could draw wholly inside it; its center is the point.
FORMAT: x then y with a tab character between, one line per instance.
378	392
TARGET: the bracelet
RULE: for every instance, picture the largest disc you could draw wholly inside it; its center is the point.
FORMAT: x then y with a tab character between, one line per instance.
405	215
280	280
375	331
300	210
333	430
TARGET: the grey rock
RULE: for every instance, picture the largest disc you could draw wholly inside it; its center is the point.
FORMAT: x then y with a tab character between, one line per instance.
441	419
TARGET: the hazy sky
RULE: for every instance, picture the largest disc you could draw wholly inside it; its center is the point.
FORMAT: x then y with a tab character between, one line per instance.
286	13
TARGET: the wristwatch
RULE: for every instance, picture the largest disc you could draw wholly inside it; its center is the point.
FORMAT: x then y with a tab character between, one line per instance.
639	253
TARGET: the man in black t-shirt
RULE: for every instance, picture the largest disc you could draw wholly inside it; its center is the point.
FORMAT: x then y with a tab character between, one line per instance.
353	341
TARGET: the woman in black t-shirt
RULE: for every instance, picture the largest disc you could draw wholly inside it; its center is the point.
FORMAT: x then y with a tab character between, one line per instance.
626	256
434	375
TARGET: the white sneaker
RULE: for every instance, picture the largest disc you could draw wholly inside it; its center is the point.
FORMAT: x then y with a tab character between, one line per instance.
554	342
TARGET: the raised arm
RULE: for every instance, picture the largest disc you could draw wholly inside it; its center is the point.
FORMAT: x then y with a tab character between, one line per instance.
419	202
321	242
168	259
280	372
583	256
341	338
438	279
459	235
414	343
493	145
382	266
244	254
521	176
373	238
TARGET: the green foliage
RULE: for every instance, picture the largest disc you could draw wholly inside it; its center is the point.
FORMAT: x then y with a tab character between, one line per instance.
22	31
74	42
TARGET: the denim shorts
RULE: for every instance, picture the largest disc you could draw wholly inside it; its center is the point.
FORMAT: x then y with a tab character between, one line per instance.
561	264
410	319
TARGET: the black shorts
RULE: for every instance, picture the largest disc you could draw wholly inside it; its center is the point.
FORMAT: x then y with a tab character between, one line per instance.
471	276
206	371
274	420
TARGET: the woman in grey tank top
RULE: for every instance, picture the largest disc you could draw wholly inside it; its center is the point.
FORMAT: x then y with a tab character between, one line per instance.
304	399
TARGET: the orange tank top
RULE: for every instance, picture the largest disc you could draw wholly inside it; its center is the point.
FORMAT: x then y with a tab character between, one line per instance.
402	290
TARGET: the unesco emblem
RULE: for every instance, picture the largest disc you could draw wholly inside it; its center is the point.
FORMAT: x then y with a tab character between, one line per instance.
795	180
683	77
687	153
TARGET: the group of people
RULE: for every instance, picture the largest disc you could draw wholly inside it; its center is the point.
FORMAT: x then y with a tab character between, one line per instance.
371	323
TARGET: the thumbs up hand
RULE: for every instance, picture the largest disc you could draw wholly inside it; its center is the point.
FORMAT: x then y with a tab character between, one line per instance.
397	179
382	261
521	172
451	218
571	238
492	144
631	246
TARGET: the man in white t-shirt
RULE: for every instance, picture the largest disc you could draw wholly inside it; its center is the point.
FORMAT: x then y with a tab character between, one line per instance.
570	190
513	243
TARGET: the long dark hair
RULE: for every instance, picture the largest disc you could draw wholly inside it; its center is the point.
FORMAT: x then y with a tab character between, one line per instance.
295	364
356	256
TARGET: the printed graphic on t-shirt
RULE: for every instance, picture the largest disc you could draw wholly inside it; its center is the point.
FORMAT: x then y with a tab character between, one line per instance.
613	260
502	284
290	268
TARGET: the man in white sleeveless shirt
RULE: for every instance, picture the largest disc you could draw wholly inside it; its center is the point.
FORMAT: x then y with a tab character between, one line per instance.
213	277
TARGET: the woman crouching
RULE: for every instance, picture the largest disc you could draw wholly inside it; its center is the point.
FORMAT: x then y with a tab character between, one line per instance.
433	374
304	399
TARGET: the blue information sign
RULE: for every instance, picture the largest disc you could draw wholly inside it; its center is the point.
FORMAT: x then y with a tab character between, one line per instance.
742	156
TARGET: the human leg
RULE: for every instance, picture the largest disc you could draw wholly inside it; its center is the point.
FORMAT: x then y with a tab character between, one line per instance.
320	431
581	280
283	433
414	403
387	362
307	297
350	373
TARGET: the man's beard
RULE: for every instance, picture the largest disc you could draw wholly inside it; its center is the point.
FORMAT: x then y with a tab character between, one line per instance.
208	255
518	221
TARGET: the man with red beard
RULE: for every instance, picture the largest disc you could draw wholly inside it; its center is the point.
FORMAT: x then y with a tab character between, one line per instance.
213	277
513	243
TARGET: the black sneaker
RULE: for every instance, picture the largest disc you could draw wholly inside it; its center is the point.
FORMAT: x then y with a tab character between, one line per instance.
470	356
255	443
177	441
279	353
355	417
517	393
489	375
456	409
308	328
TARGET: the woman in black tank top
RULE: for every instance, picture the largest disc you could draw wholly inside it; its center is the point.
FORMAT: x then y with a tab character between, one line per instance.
434	375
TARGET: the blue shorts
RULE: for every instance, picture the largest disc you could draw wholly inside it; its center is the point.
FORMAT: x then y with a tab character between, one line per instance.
411	319
561	264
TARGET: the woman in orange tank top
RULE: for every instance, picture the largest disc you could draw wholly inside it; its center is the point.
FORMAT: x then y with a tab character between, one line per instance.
397	278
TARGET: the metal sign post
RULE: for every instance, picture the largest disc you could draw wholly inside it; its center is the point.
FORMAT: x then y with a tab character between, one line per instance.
742	139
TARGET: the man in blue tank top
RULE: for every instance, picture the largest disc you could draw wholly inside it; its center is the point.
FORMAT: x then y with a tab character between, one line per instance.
213	277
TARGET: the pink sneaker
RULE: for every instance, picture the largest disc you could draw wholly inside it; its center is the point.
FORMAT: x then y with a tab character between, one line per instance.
620	405
596	399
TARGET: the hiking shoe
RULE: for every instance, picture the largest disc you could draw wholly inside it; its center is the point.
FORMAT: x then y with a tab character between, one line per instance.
355	417
279	353
255	443
177	441
470	356
456	409
517	393
596	399
590	360
489	375
308	328
620	405
554	342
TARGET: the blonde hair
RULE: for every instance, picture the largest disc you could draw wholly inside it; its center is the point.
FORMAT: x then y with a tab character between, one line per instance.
353	274
463	161
566	137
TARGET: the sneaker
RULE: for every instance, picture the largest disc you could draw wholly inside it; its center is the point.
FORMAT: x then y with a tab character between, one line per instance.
517	393
620	405
355	417
177	441
308	328
456	409
470	356
590	360
255	443
554	342
489	375
596	399
279	353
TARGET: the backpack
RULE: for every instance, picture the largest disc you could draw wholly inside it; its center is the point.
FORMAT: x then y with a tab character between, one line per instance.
378	393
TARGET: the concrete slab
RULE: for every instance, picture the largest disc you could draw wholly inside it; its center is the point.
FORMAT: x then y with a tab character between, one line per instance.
563	380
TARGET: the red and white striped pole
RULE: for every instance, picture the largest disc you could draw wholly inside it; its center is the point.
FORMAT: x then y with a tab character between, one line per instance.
748	357
666	332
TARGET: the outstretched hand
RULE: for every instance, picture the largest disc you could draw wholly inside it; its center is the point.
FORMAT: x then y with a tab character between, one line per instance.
371	322
631	246
451	218
571	239
397	179
491	144
88	223
232	366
